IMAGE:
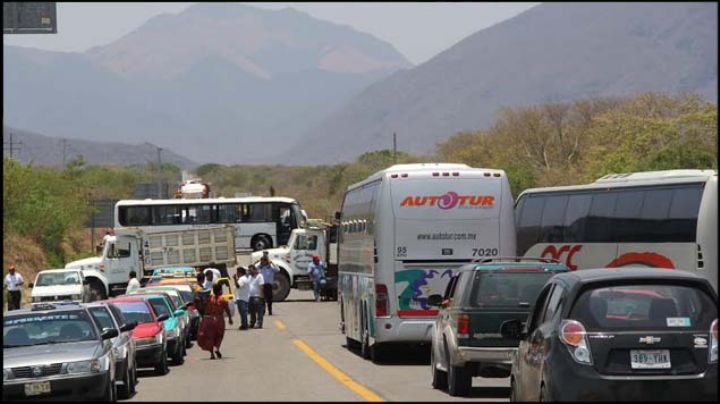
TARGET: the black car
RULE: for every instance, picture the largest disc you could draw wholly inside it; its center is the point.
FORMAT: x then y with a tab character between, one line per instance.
616	335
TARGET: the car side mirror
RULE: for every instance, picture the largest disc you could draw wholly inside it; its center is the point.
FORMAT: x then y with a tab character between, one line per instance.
512	329
163	317
179	312
109	333
435	300
30	285
128	326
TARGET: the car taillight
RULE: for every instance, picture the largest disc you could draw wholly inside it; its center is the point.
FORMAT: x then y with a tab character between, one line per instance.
463	325
713	342
381	301
573	335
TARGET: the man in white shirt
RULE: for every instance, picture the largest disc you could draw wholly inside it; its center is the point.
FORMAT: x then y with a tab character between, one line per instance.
255	291
268	270
13	283
242	295
133	284
216	272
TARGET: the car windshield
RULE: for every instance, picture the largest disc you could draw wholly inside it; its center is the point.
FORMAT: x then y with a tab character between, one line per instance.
160	306
646	307
509	289
135	311
58	278
102	316
47	328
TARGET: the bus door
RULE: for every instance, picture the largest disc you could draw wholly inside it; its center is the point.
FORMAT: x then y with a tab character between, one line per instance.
285	221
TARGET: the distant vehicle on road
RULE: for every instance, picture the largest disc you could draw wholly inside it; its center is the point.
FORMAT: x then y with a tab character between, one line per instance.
630	334
56	351
176	328
404	232
664	219
133	249
259	222
478	300
151	342
59	284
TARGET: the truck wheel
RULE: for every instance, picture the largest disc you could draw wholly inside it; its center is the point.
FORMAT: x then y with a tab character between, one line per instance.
97	292
261	242
459	381
162	367
281	287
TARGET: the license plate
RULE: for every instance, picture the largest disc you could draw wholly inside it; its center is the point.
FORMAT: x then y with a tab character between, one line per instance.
650	359
34	389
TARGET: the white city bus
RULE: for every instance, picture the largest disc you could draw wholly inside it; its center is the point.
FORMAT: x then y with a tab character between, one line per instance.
664	219
403	232
260	222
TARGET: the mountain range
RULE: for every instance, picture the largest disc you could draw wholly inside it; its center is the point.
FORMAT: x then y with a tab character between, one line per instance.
229	83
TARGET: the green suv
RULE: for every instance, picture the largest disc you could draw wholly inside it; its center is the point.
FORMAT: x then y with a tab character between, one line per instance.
478	300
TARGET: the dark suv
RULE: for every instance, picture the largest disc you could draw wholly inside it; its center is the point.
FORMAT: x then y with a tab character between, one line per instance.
478	300
618	335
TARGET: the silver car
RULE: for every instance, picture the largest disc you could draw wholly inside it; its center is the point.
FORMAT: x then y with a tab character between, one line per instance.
56	351
108	316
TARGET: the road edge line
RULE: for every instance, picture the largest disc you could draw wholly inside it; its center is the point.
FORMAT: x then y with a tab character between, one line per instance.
356	387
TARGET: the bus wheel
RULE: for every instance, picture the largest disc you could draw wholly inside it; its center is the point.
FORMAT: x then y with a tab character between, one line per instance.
281	287
261	242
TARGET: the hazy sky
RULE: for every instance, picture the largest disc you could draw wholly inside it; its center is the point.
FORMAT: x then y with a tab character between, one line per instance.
417	30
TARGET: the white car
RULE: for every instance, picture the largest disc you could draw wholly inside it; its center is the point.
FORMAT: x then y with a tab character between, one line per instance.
59	284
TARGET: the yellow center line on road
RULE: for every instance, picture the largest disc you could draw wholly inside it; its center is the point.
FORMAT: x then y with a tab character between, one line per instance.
279	325
361	390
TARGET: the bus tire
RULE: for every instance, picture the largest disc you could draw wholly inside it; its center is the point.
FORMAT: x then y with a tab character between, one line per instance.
281	287
260	242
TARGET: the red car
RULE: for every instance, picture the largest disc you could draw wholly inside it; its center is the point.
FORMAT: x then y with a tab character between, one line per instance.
149	334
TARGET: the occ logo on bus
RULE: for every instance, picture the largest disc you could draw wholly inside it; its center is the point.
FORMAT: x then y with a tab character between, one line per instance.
556	253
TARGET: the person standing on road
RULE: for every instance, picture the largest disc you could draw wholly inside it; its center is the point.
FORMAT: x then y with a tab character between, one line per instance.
268	270
133	283
208	284
212	325
13	283
242	295
316	271
255	292
200	293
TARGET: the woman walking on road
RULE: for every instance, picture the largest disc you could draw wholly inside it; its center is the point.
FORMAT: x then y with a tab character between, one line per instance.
212	326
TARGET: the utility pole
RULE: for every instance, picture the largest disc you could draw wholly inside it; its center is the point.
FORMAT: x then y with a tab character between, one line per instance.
64	148
159	149
395	147
11	145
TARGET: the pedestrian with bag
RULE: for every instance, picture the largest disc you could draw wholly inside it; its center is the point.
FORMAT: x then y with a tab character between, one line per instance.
242	295
255	292
268	270
316	271
13	283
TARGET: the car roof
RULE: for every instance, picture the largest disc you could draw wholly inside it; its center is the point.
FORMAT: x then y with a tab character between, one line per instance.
498	266
46	308
626	273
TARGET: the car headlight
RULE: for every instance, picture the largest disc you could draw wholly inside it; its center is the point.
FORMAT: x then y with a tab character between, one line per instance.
91	366
120	351
173	333
159	338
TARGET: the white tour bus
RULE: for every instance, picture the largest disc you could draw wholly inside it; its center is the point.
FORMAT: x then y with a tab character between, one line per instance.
665	219
403	231
260	222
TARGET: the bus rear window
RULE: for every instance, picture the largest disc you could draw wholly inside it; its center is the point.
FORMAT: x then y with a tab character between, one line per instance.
646	307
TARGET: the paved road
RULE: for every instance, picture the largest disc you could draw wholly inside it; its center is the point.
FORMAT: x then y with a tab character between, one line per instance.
300	355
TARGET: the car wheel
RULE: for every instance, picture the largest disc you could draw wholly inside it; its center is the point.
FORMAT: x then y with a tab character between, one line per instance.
162	367
179	358
134	380
459	378
126	390
439	377
111	393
